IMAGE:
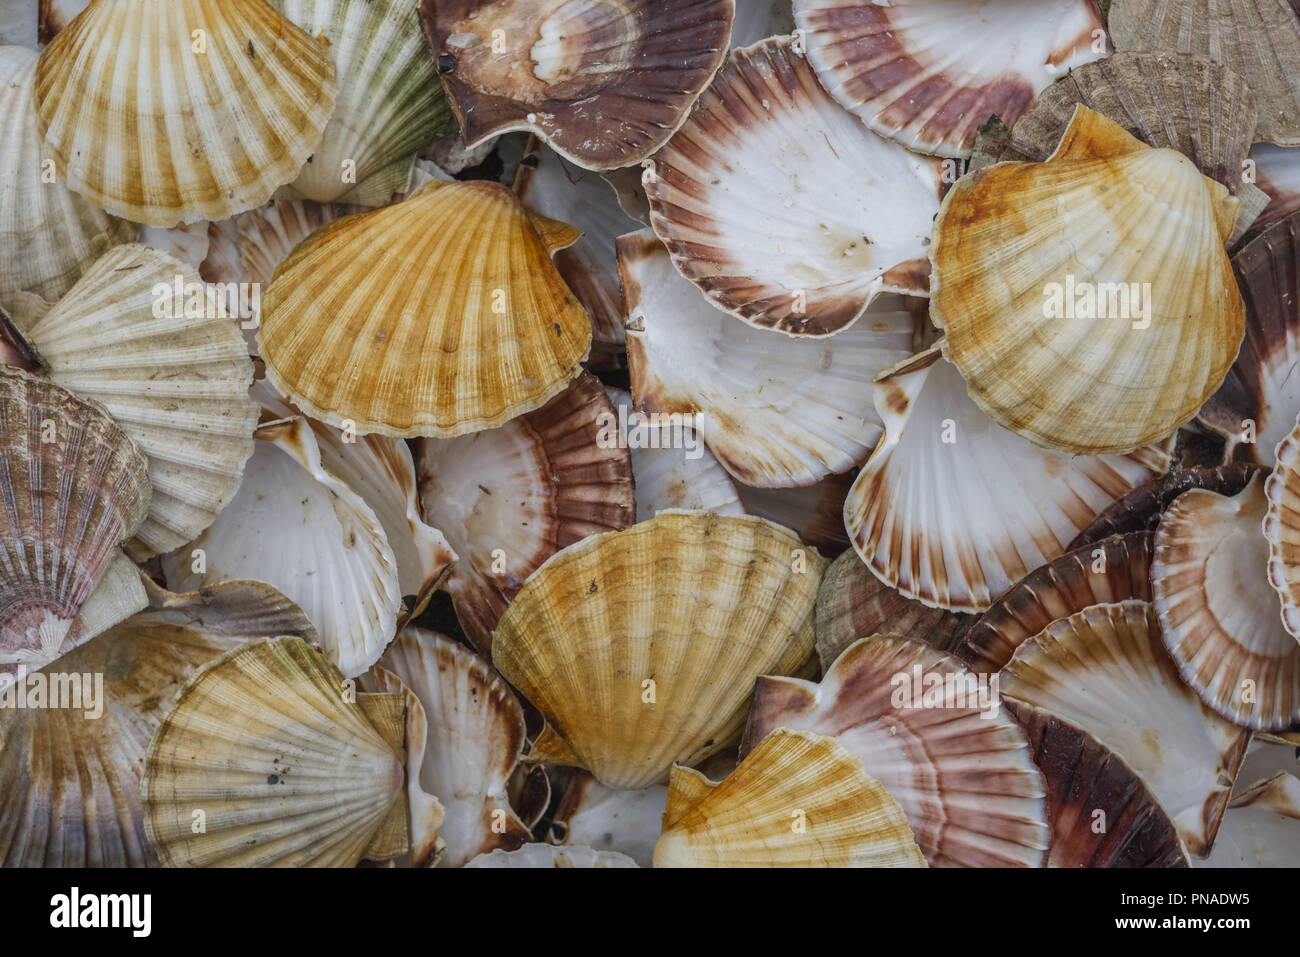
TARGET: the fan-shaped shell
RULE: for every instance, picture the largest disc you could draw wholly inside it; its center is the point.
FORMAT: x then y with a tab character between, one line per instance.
1105	671
473	744
71	795
1282	529
604	82
762	200
298	527
939	510
1257	404
237	101
1116	569
389	103
1102	815
1218	616
48	234
140	333
798	799
510	498
853	603
439	315
1259	39
958	767
773	418
1060	307
929	74
288	768
73	487
640	647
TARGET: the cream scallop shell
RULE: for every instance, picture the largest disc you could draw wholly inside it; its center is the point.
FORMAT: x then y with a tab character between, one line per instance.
236	101
640	647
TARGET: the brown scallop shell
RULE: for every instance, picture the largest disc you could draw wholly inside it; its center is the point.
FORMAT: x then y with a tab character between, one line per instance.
604	83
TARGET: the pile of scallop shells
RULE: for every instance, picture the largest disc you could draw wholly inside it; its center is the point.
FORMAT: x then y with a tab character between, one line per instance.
601	433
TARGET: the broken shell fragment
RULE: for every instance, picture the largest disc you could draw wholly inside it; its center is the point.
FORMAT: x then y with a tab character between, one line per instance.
1259	39
604	82
474	740
238	100
1277	173
72	768
289	767
1282	529
932	733
1105	671
1256	406
853	603
439	315
1261	827
640	647
297	526
1219	617
763	204
592	815
509	498
389	103
1102	815
73	487
773	419
1116	569
798	799
141	333
1060	310
929	74
939	510
48	234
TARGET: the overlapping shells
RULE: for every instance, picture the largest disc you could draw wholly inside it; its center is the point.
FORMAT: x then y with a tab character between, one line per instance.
676	433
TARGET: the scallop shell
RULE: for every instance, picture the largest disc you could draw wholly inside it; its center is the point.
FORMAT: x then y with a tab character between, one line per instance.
233	110
1258	401
959	768
389	103
799	800
1140	509
552	187
1105	216
668	474
1282	529
928	74
298	527
544	855
604	82
1259	39
761	200
444	310
813	512
48	234
1105	671
73	487
174	373
1276	172
772	418
1261	827
1188	103
382	472
54	15
1102	815
1218	616
510	498
72	785
1116	569
288	768
640	647
475	737
625	822
939	510
853	603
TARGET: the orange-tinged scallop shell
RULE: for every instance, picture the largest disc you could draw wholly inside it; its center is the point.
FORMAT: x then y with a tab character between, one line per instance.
439	315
